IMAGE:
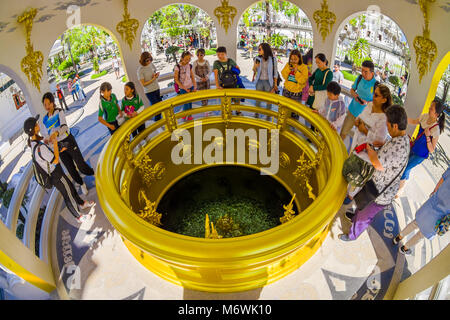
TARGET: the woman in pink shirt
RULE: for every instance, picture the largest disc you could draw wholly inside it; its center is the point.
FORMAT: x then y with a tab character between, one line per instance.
185	79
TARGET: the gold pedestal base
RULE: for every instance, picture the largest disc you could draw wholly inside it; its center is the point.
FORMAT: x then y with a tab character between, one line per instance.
222	277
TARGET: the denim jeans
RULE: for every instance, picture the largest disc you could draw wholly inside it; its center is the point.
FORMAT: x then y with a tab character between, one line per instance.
187	106
154	97
414	160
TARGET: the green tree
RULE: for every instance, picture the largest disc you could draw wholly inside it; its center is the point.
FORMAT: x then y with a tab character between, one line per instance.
359	52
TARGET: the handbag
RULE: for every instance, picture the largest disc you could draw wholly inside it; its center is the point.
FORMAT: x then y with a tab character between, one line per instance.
369	192
442	225
413	141
320	96
357	171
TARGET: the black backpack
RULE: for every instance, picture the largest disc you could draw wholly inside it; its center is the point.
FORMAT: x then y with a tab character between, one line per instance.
228	79
42	177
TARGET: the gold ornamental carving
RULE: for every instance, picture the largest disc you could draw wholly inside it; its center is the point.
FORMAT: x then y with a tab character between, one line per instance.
225	14
210	230
149	213
148	172
226	110
324	19
171	121
285	161
31	64
426	49
289	212
128	27
306	168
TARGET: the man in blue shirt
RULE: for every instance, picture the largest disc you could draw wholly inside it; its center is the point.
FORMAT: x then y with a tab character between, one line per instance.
362	93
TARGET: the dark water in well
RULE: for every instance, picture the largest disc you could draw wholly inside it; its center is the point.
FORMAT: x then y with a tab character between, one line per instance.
254	202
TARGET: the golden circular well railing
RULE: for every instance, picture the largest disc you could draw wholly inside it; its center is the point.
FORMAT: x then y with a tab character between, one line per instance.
131	180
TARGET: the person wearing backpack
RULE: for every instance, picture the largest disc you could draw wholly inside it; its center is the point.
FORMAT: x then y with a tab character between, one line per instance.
46	162
224	75
362	93
266	69
61	98
389	163
55	122
431	218
185	79
432	124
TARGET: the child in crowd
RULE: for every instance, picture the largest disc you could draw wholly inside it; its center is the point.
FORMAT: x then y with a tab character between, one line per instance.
185	79
223	71
334	108
72	90
295	74
132	105
108	108
61	98
202	71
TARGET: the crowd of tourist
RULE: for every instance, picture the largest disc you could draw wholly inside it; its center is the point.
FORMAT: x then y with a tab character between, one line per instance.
381	156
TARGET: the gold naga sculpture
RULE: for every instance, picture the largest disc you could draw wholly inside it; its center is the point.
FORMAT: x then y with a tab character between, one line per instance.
31	64
426	49
289	212
306	167
225	14
127	27
149	213
210	230
324	19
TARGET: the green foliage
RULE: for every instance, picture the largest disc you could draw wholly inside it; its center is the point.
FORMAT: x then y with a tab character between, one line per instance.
68	63
250	215
178	19
397	100
6	195
395	81
211	52
349	76
98	75
360	52
19	230
95	65
277	40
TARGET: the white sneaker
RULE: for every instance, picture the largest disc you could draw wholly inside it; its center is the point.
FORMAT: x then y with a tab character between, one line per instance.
83	218
84	189
87	204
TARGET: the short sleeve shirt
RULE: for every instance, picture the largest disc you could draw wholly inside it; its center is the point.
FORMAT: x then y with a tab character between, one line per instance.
423	123
131	105
108	109
223	66
338	76
44	156
146	73
185	75
393	156
365	92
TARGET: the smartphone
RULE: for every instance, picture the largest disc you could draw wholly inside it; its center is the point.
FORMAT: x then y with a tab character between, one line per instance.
359	100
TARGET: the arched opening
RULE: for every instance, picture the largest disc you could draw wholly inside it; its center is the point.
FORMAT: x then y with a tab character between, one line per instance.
280	23
374	36
14	105
176	28
90	53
